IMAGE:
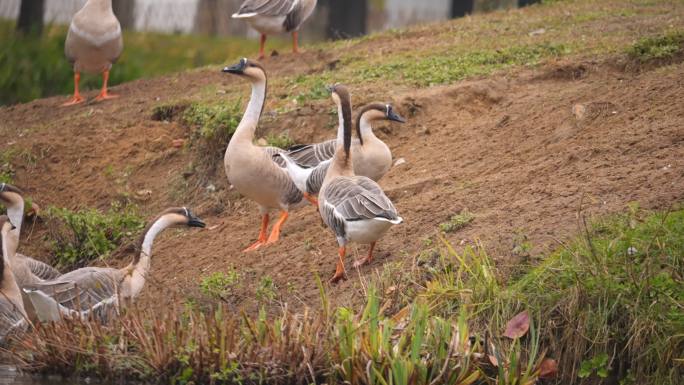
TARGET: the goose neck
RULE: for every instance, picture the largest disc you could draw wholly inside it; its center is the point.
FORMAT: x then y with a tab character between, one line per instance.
250	120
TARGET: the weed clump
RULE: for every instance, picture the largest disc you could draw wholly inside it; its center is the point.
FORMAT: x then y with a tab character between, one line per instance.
82	236
280	140
457	222
220	285
661	47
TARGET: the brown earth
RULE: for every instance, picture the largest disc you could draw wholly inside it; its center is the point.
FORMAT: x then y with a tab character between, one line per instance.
524	150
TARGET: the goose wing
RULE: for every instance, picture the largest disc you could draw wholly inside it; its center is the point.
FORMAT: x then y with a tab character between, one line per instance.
266	7
310	155
40	269
12	321
357	198
83	289
270	150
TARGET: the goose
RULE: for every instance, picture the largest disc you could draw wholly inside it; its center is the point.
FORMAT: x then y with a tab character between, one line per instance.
26	270
93	44
354	207
98	290
372	157
275	16
251	168
13	318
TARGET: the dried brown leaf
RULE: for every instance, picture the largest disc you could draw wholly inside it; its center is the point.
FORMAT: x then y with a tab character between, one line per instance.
518	326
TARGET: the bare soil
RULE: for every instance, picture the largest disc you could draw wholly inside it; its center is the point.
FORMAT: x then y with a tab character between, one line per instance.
524	150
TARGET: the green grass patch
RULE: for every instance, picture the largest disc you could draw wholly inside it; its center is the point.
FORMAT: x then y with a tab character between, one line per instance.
220	285
446	67
82	236
457	221
660	47
280	140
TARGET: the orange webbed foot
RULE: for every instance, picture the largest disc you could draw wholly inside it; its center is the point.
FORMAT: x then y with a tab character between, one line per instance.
76	99
105	96
361	262
339	276
254	246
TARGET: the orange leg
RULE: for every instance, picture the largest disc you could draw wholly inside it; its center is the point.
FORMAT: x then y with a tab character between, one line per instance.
311	198
104	95
368	259
275	233
339	269
295	44
77	98
262	44
262	235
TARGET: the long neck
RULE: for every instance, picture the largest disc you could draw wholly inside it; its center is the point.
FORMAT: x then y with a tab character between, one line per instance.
142	261
365	128
9	286
342	161
248	124
340	124
100	5
15	213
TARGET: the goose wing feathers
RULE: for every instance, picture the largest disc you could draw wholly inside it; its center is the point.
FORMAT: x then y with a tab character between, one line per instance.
310	155
267	7
83	289
358	198
270	150
12	322
40	269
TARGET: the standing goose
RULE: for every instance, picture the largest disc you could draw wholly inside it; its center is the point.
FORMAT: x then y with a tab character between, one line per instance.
93	44
276	16
13	318
250	168
26	270
98	290
372	157
354	207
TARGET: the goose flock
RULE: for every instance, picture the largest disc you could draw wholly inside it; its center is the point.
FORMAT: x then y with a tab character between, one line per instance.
339	176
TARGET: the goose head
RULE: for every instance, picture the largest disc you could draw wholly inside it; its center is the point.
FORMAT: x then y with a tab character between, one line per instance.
375	112
181	216
249	69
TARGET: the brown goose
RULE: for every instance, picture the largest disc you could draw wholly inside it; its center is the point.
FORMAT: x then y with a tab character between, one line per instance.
98	290
13	318
354	207
372	157
26	270
275	16
250	168
93	44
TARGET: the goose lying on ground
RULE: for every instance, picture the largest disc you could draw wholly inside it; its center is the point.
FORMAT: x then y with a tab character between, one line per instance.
99	290
26	270
13	318
276	16
251	168
372	157
354	207
93	44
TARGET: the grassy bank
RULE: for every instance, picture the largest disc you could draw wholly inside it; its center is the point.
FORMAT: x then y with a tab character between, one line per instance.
606	307
35	67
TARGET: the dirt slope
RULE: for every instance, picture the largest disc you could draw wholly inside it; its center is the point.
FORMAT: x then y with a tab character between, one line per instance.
521	149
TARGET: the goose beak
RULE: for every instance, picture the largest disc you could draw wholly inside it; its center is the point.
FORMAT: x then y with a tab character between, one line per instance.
196	222
237	69
393	116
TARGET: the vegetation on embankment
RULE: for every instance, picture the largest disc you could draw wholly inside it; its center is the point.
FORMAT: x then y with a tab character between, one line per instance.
607	306
33	67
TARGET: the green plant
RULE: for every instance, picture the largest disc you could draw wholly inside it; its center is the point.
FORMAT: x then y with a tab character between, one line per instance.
280	140
597	364
85	235
657	47
266	290
457	221
220	285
